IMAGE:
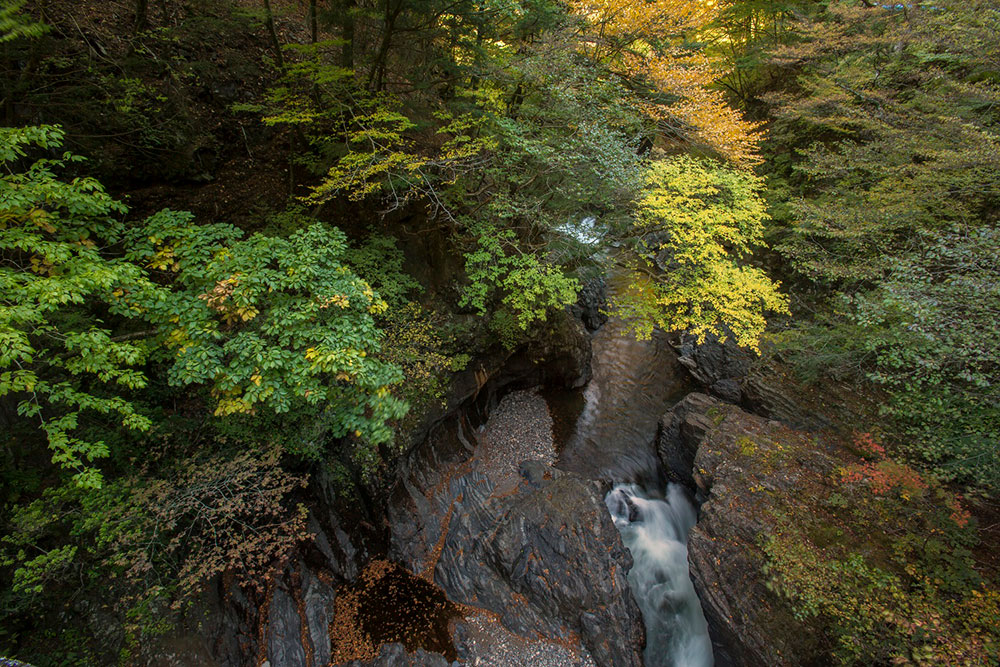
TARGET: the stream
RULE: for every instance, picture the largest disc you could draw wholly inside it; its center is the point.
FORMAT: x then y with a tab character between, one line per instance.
655	532
609	433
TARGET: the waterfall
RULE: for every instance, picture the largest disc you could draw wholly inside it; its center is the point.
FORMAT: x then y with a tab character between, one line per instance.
655	532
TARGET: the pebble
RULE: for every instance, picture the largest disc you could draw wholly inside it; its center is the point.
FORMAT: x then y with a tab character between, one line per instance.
519	429
485	642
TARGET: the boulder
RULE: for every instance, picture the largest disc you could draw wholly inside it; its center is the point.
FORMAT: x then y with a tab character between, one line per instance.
679	434
719	367
592	304
546	558
741	466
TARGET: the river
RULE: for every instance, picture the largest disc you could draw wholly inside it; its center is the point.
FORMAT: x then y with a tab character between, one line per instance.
609	433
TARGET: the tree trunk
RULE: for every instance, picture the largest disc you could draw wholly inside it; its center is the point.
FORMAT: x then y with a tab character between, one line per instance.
376	79
347	34
313	27
141	15
269	23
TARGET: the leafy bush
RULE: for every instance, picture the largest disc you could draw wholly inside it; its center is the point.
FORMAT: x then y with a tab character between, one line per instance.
268	322
899	585
58	358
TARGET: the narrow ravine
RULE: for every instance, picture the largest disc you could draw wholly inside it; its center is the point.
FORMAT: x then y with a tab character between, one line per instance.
612	438
634	382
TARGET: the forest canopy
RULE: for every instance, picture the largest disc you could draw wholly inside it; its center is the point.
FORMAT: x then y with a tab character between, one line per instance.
250	245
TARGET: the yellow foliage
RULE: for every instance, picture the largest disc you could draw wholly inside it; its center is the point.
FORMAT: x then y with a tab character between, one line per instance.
177	338
164	260
645	41
230	406
695	279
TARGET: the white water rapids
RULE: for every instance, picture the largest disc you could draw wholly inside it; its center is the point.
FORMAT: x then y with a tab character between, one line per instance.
655	532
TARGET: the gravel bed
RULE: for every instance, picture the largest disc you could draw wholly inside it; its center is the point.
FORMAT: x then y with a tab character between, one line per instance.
518	430
483	641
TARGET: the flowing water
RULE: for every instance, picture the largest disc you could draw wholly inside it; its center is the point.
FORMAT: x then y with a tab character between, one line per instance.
609	433
655	532
614	426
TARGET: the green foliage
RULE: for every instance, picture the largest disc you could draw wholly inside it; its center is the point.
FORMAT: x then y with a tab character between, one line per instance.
749	30
528	288
894	138
530	142
415	343
886	210
898	584
14	26
57	358
379	261
538	128
697	223
268	322
932	329
875	617
267	325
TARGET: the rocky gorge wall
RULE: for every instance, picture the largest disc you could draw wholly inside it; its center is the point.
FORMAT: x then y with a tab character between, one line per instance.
525	555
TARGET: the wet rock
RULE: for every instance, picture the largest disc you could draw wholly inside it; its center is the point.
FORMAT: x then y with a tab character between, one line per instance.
418	506
563	353
741	465
298	621
284	641
592	304
318	598
719	367
546	558
680	432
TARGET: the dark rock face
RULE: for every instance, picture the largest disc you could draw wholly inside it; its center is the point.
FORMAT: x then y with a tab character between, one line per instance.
681	431
560	356
419	504
226	628
719	367
592	304
285	645
563	355
767	393
735	462
546	558
302	600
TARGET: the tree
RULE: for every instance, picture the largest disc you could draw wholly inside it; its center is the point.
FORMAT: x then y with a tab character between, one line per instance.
543	126
58	356
892	127
265	322
656	44
931	328
268	323
697	223
886	210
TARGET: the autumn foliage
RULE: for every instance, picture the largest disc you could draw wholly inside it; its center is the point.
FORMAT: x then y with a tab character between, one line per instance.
231	516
